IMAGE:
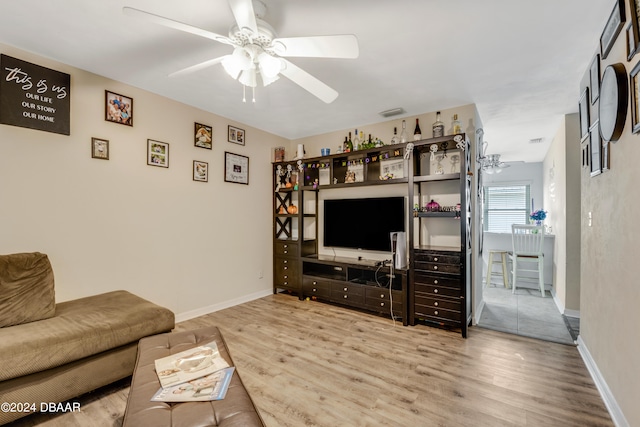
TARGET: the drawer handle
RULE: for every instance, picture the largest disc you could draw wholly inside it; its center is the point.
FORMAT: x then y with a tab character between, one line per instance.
345	297
381	304
435	282
435	267
286	268
315	290
286	252
435	291
286	246
435	303
315	283
436	259
435	312
286	277
286	283
345	289
285	261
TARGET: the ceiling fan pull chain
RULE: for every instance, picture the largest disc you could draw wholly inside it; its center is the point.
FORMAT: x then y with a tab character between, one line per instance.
244	90
254	94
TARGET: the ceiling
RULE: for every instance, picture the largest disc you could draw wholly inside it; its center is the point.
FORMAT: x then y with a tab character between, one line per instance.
520	62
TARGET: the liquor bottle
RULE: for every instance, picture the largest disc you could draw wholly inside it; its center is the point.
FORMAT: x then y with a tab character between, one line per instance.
457	128
356	142
417	133
345	144
403	133
349	144
370	142
362	140
438	126
395	139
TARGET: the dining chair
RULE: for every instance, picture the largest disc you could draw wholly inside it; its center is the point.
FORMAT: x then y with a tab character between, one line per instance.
527	242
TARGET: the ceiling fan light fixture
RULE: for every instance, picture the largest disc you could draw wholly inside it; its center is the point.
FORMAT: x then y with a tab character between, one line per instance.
249	77
266	80
269	65
231	66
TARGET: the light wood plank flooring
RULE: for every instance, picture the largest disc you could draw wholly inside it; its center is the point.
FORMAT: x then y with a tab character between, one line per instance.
312	364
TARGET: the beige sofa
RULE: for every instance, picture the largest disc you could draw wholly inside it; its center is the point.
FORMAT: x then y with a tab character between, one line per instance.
53	352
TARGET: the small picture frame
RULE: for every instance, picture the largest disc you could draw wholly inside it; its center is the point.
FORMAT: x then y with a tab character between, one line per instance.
605	155
203	136
583	109
633	30
236	135
631	42
595	144
634	87
157	153
118	108
585	155
612	28
200	171
100	148
236	168
594	73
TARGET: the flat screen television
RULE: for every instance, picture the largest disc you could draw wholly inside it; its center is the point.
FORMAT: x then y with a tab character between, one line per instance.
363	223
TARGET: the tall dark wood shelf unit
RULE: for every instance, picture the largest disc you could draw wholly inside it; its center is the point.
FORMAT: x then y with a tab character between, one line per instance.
294	234
434	289
440	265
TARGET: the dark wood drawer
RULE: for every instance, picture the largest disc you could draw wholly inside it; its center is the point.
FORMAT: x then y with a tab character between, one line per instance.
286	272
315	287
450	258
382	306
435	290
438	303
437	267
286	249
438	314
435	279
347	293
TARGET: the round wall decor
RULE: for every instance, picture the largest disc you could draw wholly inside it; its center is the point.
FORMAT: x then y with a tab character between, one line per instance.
614	94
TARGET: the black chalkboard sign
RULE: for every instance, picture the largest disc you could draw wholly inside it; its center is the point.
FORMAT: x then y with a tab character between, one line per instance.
34	97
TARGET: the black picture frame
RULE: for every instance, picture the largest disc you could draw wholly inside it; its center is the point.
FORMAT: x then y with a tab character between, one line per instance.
236	168
595	144
594	78
236	135
100	148
583	109
634	88
200	171
612	28
118	108
633	30
203	136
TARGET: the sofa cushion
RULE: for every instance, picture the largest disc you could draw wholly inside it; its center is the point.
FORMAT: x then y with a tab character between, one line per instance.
26	288
80	328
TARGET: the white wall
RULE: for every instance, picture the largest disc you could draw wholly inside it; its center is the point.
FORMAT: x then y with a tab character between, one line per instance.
121	224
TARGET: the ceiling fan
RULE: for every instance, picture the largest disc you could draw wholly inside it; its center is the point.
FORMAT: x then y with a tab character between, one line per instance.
257	52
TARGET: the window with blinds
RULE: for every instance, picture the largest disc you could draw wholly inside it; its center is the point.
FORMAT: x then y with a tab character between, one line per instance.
505	205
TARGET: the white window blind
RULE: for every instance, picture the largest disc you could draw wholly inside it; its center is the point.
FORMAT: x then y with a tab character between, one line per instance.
505	205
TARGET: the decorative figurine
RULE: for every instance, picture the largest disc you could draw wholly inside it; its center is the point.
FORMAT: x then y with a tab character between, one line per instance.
350	177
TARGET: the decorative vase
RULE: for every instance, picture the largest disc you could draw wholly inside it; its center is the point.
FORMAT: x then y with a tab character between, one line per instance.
433	206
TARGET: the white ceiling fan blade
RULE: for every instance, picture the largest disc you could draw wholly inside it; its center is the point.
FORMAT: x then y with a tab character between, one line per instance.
244	14
308	82
175	24
337	46
198	67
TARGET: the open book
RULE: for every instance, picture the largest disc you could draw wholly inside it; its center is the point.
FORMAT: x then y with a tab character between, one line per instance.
210	387
189	365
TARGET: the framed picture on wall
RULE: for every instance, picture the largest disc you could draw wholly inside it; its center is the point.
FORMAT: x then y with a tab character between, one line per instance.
634	87
157	153
203	136
595	143
612	28
594	74
118	108
100	148
236	168
583	109
236	135
200	171
633	30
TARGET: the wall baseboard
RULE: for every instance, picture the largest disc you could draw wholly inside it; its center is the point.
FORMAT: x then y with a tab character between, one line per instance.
609	400
220	306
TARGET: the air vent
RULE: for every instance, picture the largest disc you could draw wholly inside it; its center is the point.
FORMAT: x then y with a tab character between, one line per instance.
392	112
536	141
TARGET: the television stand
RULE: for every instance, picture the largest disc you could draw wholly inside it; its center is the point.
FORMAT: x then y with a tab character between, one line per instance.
355	283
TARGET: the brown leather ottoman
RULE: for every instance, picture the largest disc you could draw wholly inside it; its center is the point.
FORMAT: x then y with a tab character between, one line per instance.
236	409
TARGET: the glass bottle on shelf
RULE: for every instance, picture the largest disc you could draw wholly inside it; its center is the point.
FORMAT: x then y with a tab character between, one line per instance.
349	144
345	144
362	141
457	128
403	133
356	141
438	126
417	133
395	139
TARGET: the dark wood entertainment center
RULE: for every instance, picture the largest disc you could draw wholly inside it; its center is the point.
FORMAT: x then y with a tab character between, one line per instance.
435	288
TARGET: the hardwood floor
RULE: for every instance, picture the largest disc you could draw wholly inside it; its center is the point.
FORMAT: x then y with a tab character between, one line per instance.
312	364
